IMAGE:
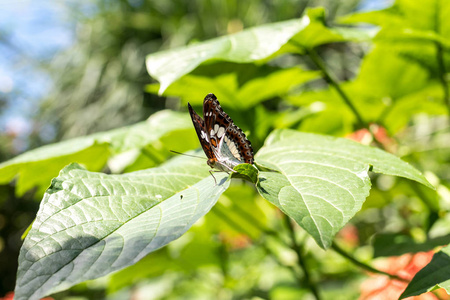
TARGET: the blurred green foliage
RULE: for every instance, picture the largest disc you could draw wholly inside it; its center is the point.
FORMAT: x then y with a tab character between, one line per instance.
397	81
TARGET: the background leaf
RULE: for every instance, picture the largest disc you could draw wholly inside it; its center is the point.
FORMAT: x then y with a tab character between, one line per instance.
396	245
92	224
247	46
252	45
93	151
239	86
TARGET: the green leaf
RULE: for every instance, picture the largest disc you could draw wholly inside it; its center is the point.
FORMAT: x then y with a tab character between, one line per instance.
425	101
37	167
396	244
321	182
247	172
385	79
408	20
195	249
254	45
317	33
435	274
239	86
92	224
154	264
250	45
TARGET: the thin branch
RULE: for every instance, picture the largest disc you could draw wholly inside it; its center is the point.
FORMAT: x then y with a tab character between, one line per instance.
362	265
329	77
331	80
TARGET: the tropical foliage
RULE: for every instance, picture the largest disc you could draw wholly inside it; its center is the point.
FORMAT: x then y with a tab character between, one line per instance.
351	168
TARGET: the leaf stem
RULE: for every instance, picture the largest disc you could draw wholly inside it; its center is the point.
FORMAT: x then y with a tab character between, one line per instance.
362	265
301	258
331	80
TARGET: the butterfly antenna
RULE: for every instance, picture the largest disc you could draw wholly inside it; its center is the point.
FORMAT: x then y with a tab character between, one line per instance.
176	152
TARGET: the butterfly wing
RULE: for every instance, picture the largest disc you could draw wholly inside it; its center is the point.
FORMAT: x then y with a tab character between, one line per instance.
202	134
226	139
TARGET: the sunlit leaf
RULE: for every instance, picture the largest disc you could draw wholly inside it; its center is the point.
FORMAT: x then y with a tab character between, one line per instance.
253	45
321	182
409	20
243	47
239	86
411	29
434	275
92	224
37	167
317	33
385	78
193	250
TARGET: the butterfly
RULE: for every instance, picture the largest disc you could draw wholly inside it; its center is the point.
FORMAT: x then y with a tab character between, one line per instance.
224	144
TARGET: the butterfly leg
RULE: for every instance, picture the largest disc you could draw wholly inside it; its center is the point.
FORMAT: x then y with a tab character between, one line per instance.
211	172
230	169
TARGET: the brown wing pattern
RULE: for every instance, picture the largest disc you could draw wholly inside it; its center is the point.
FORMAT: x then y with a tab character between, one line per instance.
202	135
215	120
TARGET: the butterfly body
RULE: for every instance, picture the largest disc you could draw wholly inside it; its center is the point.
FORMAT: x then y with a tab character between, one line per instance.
224	144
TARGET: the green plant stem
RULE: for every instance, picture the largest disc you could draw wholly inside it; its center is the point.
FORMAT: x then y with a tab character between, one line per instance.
329	77
442	76
362	265
331	80
301	258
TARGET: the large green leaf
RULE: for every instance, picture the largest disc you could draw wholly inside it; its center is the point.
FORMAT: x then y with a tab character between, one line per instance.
317	33
412	29
252	45
203	245
320	181
247	46
37	167
434	275
239	86
92	224
384	80
410	20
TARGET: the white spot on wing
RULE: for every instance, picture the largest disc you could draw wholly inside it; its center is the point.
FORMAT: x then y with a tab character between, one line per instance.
216	128
220	132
